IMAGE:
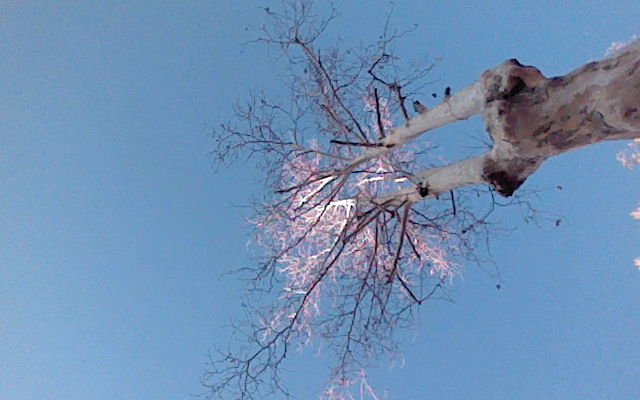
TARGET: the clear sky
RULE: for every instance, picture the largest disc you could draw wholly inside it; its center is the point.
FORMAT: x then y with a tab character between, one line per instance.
114	230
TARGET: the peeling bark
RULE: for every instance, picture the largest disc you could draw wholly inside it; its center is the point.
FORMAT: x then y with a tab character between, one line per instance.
530	118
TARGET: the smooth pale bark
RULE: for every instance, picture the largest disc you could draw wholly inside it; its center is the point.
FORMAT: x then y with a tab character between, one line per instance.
462	105
529	118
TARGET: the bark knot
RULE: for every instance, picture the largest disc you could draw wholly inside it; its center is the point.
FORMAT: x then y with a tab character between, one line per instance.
504	183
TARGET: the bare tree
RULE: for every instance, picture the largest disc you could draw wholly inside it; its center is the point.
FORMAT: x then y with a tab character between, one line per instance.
357	235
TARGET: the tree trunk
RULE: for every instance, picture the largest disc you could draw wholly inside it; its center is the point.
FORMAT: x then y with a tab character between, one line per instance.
529	118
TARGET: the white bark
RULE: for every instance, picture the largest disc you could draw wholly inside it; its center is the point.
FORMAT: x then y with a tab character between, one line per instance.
437	180
462	105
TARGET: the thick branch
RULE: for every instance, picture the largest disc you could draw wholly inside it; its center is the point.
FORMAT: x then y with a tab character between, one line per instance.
435	181
462	105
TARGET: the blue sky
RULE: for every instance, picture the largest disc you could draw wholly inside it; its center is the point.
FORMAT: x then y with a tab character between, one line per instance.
114	229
